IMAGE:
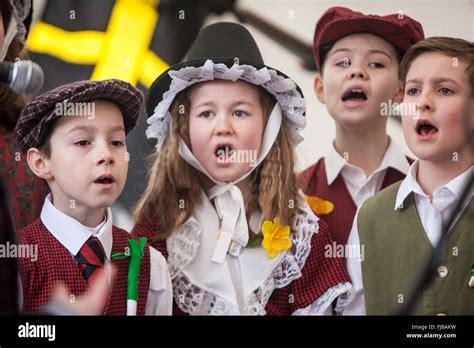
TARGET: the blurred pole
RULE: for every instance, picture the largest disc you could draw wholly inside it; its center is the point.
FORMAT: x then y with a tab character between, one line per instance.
8	265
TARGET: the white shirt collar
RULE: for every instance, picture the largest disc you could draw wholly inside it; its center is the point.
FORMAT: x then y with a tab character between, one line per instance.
393	157
410	184
71	233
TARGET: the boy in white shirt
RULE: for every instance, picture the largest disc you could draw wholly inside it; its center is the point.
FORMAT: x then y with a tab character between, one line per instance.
74	138
357	56
399	226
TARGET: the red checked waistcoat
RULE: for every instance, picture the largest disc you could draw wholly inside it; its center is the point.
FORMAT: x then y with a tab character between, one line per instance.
26	191
313	182
56	264
319	273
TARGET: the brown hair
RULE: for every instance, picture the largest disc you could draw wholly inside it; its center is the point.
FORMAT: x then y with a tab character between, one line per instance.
172	181
11	103
452	47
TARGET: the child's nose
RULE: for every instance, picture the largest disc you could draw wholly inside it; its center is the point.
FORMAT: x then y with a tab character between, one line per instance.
356	71
425	102
224	125
105	156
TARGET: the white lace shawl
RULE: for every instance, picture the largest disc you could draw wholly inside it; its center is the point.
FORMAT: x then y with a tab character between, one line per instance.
195	301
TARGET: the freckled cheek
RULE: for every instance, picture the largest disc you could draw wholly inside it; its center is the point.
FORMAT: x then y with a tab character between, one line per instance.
198	143
200	146
252	140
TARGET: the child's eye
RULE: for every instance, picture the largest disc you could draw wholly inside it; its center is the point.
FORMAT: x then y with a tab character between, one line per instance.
411	91
376	65
446	91
82	143
240	113
117	143
205	114
343	63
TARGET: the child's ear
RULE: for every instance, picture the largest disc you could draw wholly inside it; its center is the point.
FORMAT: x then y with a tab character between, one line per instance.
319	87
38	164
398	98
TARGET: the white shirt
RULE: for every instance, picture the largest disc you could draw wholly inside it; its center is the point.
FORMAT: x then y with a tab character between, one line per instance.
72	235
358	184
432	216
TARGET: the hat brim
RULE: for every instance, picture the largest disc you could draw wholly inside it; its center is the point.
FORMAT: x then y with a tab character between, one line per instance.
162	84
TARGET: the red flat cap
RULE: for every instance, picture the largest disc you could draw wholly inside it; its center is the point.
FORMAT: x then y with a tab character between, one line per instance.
398	29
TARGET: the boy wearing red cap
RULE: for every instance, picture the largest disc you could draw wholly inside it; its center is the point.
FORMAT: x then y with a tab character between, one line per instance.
400	226
357	57
74	138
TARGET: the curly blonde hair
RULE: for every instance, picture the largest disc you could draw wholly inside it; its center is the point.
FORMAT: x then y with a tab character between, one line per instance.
174	186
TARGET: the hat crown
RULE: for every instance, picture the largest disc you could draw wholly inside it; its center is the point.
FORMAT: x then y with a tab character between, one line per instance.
225	40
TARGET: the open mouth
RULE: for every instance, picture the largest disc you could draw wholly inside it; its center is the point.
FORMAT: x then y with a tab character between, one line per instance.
424	127
105	179
223	151
355	94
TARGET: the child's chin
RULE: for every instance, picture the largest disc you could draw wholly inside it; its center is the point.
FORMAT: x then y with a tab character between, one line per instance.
355	118
228	177
429	155
104	202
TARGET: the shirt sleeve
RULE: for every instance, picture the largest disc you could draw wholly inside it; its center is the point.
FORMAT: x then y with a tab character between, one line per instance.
354	268
160	295
324	305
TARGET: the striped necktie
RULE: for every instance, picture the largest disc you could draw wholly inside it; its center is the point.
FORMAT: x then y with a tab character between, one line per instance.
90	257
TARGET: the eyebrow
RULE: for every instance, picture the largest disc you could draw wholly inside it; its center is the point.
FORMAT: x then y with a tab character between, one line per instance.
207	103
81	128
370	52
435	81
92	129
237	102
242	101
117	129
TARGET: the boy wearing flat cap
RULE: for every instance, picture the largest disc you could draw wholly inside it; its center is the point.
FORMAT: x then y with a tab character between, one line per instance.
401	225
357	58
74	138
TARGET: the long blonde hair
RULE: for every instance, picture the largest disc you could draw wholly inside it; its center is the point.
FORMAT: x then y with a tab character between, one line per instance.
174	186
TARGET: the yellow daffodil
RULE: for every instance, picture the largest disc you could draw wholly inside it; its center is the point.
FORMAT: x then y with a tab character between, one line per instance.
319	206
276	238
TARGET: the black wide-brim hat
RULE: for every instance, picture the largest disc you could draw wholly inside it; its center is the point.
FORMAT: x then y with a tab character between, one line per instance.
222	42
229	44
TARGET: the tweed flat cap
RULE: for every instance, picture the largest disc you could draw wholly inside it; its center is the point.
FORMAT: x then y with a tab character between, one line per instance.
36	118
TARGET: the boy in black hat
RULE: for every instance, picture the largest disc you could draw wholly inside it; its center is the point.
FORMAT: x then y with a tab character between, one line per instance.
74	138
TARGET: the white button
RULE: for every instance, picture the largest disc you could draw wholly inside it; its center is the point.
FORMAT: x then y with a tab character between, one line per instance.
442	271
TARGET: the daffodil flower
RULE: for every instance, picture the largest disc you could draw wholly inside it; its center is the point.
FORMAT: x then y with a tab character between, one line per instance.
319	206
276	238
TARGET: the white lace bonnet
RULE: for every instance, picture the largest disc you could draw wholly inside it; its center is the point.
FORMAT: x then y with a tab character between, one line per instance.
223	51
